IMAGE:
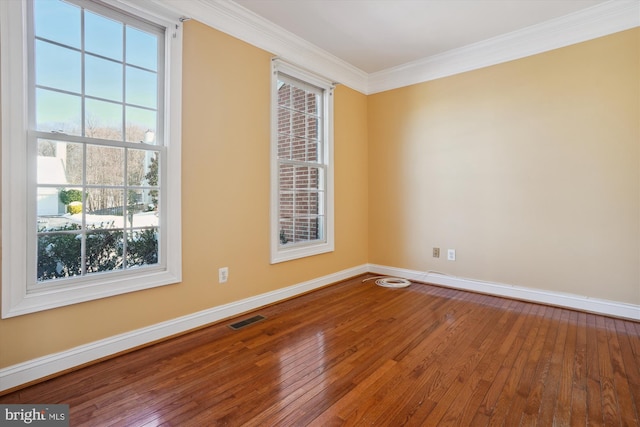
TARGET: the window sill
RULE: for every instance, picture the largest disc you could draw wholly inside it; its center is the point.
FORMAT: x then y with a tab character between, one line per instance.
282	254
23	302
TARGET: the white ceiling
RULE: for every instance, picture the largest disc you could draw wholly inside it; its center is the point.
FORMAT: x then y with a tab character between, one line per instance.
375	35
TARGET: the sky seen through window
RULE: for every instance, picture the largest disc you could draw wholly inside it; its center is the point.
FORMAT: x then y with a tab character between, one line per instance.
115	67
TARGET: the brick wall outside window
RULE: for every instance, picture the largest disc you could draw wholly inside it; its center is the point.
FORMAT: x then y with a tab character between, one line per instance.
298	140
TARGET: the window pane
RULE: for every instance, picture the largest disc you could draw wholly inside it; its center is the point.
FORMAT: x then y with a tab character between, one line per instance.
306	229
314	154
142	49
136	167
312	127
105	165
303	150
57	67
286	231
59	163
142	88
57	112
313	102
135	206
142	168
298	99
284	94
103	78
71	198
306	203
141	125
284	121
142	247
299	125
103	120
49	203
105	208
301	177
286	176
141	214
59	255
284	147
54	165
103	36
307	178
104	251
286	204
313	135
57	21
47	148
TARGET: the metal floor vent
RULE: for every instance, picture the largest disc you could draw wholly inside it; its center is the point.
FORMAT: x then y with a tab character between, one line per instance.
246	322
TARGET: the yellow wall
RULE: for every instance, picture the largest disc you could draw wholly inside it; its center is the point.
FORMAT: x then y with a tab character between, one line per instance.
225	204
529	169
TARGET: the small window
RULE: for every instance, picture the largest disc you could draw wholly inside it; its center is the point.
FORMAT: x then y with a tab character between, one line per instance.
302	169
96	149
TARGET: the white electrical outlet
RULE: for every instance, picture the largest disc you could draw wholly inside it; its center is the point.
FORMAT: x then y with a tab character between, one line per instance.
223	274
451	254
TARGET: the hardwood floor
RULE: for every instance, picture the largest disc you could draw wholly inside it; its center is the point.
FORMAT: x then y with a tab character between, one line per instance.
359	354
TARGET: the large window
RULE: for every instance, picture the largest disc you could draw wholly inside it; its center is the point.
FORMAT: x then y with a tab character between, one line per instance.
94	154
302	166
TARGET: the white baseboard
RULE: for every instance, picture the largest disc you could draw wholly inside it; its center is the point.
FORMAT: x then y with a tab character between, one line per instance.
32	370
577	302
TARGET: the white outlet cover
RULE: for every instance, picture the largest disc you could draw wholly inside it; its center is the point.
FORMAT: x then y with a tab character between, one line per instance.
451	254
223	274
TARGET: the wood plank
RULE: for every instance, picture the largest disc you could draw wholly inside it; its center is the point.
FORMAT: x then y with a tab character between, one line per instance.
579	389
630	364
627	408
594	400
557	375
610	407
562	411
540	378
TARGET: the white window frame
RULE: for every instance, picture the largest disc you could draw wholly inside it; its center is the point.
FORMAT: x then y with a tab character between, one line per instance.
16	181
281	253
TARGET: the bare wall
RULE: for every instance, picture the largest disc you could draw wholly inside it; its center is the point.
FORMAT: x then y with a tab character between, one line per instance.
529	169
225	204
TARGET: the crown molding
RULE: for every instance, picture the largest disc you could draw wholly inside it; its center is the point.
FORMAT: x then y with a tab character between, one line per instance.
231	18
237	21
597	21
